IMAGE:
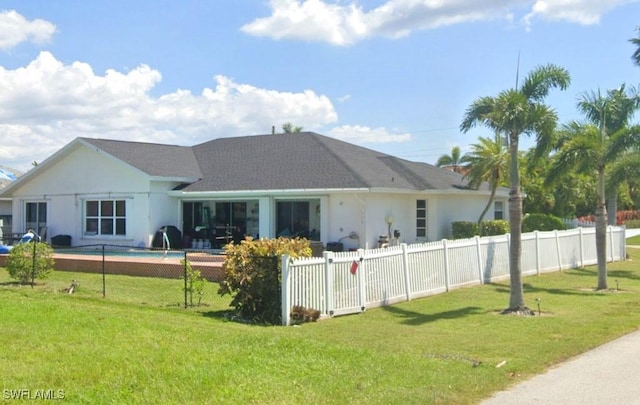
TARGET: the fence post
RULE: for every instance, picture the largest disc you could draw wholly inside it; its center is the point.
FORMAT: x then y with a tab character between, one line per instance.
405	266
185	279
104	281
537	240
328	281
610	232
559	253
362	282
33	262
479	256
285	291
581	236
445	251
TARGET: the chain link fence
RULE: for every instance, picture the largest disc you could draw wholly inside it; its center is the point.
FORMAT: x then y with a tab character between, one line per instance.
160	278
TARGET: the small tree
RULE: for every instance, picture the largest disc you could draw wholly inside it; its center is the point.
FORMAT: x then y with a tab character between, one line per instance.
195	283
28	261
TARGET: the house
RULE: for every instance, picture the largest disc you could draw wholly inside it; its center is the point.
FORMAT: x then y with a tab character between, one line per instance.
118	192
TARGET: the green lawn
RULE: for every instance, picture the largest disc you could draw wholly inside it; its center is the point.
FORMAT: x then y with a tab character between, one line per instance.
442	349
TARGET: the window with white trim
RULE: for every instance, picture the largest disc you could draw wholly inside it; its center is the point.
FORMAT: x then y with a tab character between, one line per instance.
421	218
105	217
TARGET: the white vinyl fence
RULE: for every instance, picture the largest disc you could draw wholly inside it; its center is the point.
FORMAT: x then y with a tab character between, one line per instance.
349	282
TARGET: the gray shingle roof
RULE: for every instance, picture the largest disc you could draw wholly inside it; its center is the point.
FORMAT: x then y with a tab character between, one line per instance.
154	159
280	162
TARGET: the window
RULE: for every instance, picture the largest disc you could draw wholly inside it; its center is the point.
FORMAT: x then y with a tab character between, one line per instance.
292	218
105	217
421	218
35	215
498	210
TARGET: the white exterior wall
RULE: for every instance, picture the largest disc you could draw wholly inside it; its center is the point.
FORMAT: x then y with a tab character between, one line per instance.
92	175
367	215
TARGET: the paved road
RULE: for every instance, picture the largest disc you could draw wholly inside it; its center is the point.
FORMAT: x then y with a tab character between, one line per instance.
609	374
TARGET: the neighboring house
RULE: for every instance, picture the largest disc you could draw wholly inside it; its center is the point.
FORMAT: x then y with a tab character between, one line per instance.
7	176
306	184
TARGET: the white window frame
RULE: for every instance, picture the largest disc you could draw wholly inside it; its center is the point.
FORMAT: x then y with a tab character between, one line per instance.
422	214
100	218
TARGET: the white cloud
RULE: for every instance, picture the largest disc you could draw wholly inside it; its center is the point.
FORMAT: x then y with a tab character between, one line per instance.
15	29
345	23
584	12
46	104
360	134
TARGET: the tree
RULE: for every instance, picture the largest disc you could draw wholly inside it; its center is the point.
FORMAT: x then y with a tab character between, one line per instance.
488	162
511	113
636	55
454	160
592	146
288	128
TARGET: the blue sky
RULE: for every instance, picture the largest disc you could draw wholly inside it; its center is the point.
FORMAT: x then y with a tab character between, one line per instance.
391	75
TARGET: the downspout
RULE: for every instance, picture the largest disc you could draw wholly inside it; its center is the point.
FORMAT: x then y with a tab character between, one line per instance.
363	222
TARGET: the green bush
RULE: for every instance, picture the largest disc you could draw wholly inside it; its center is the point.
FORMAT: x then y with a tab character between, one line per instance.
253	276
467	229
22	266
463	229
495	227
542	222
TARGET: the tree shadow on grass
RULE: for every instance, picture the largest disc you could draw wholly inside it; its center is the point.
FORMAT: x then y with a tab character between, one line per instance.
418	318
530	289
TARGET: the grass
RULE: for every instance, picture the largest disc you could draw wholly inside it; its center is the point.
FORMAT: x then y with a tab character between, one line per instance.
440	349
634	240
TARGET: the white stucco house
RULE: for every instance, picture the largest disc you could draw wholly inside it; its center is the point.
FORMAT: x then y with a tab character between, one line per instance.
119	192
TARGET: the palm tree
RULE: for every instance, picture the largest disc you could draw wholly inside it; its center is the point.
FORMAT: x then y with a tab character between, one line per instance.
636	55
454	160
511	113
488	162
288	128
590	147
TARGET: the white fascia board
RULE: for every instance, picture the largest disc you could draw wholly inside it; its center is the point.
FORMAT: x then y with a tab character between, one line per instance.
261	193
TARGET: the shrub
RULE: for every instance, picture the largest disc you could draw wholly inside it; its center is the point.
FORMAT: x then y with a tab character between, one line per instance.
253	276
464	229
495	227
300	314
542	222
22	266
467	229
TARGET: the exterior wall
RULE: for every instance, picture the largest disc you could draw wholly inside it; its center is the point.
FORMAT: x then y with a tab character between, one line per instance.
86	174
367	214
448	209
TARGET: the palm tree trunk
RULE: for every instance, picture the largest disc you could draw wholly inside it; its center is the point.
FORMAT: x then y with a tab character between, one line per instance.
486	208
516	296
601	233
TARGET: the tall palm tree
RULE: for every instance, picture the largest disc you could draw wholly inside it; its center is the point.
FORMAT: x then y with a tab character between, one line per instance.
488	162
454	160
592	146
636	55
511	113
